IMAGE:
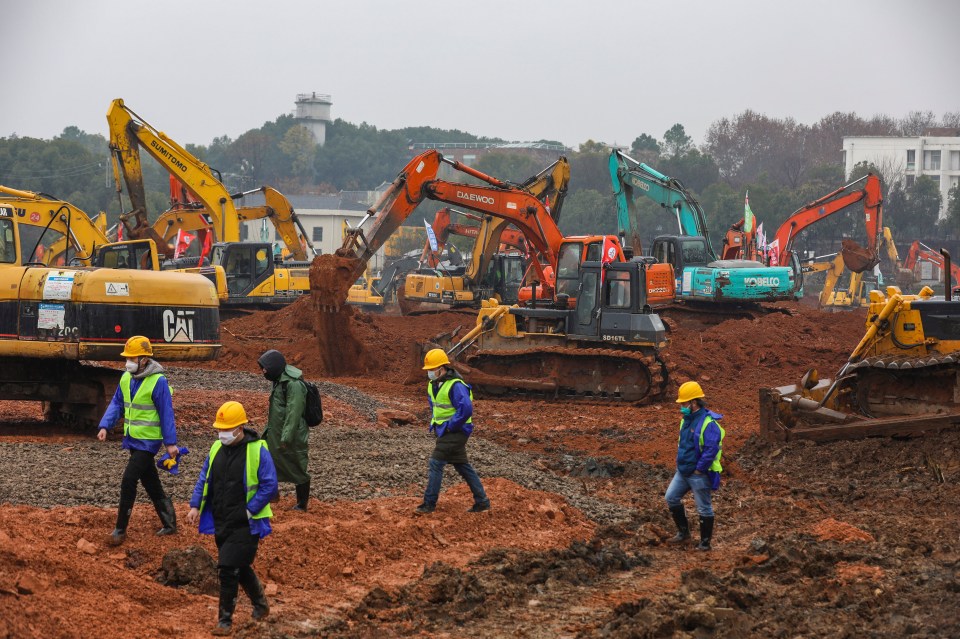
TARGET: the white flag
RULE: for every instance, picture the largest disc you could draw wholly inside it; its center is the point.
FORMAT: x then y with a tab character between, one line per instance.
761	238
431	236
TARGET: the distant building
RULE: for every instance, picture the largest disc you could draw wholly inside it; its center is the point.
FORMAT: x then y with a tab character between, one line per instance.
935	155
322	217
313	112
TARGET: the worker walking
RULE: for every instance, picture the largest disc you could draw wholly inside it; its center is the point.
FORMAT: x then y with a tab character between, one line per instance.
232	502
451	403
699	449
144	402
287	432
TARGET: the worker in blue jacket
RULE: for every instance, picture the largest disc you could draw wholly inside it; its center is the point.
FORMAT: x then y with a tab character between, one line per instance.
699	449
451	406
143	400
231	501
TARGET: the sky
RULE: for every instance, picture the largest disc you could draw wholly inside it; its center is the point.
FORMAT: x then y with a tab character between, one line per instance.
567	70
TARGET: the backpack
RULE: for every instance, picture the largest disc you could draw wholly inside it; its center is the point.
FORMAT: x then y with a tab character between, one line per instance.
313	407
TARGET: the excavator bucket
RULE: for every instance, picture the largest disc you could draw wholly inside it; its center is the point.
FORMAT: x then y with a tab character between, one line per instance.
857	258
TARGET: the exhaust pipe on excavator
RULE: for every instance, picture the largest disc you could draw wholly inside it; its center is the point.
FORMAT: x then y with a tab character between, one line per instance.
947	276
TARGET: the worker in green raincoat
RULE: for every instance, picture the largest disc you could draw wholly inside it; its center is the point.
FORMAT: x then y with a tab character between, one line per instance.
287	433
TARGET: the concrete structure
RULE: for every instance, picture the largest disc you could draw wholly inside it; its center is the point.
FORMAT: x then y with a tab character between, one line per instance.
313	112
905	159
322	217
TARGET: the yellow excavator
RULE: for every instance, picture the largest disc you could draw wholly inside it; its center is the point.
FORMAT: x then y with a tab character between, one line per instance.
903	378
245	273
54	320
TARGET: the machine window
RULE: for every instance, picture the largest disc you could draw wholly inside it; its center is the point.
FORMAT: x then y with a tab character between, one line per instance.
587	300
569	263
8	246
618	290
694	252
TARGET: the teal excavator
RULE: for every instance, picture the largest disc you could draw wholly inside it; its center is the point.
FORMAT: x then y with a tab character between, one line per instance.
701	277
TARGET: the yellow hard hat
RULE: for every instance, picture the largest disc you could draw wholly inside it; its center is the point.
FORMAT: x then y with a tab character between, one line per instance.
230	415
436	358
688	391
137	346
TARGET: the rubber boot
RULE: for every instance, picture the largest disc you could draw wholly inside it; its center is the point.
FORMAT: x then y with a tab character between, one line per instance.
168	516
303	496
706	533
683	527
119	533
251	585
229	582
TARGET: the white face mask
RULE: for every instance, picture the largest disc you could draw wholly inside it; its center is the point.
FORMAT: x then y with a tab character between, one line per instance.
228	437
434	374
132	366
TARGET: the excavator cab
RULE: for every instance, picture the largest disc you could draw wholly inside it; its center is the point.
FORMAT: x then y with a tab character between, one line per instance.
247	265
132	254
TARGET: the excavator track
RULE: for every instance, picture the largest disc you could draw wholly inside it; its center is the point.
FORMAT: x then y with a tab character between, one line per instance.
602	374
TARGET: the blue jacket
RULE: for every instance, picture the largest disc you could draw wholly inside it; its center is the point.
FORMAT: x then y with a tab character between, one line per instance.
267	490
689	456
161	399
460	399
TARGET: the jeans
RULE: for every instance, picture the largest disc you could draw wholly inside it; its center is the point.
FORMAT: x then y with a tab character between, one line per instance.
436	476
699	484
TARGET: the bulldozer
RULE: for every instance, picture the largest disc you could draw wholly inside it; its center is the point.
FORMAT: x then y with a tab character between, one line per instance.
608	347
901	379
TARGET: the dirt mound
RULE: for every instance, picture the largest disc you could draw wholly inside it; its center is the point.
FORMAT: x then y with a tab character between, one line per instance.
191	567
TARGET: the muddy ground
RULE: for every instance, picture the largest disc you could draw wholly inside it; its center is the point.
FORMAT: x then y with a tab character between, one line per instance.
850	539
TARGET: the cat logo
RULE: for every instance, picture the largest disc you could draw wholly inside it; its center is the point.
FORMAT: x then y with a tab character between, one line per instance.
178	326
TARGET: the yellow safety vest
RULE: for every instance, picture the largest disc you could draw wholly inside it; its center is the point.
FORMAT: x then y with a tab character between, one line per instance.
252	480
442	408
140	417
715	466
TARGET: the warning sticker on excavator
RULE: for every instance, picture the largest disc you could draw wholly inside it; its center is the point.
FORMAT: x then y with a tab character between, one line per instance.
50	316
59	285
119	289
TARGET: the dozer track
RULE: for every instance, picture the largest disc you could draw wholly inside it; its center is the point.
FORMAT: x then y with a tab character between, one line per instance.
883	386
603	374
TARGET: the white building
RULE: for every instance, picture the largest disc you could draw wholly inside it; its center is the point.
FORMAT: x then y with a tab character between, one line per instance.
313	112
322	217
905	159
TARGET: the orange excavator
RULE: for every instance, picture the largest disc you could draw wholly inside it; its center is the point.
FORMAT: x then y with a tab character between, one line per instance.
603	341
443	227
919	253
856	258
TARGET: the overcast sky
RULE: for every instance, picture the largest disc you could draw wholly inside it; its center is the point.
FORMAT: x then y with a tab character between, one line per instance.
568	70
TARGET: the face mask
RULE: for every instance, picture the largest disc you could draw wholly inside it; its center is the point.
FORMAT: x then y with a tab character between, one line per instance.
228	437
434	374
132	366
685	410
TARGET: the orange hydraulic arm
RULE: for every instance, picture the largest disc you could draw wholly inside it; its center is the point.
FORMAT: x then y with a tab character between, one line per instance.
443	228
739	244
418	182
829	204
919	252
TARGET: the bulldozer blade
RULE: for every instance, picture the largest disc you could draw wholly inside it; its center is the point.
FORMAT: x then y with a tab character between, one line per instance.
856	258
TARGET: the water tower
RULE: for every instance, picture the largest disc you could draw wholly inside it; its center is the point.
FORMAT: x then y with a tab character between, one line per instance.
313	112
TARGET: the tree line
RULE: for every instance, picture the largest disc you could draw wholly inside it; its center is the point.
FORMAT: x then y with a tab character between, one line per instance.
783	164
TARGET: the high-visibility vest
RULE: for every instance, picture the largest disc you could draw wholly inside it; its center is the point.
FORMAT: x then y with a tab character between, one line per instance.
442	408
715	466
251	478
140	417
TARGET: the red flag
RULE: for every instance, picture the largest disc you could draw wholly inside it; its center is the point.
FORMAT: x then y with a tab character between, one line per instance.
609	253
119	231
183	243
206	237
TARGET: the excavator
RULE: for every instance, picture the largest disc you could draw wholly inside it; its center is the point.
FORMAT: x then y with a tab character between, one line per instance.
920	253
245	273
492	272
703	281
901	378
60	318
603	341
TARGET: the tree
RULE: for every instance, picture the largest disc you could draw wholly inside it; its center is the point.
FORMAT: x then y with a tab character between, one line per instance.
645	148
588	211
951	223
299	147
593	147
916	122
925	201
504	165
676	142
694	169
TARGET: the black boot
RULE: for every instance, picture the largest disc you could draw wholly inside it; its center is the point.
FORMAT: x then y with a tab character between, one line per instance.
168	516
680	519
119	533
251	586
303	496
229	582
706	532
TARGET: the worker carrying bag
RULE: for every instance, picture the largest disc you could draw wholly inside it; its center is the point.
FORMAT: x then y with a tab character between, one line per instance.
313	408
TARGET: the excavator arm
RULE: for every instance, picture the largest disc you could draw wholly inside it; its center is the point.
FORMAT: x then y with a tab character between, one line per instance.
854	258
75	227
418	182
630	178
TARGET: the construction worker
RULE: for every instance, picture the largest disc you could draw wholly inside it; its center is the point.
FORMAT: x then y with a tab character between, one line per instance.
144	402
699	449
451	403
232	502
287	432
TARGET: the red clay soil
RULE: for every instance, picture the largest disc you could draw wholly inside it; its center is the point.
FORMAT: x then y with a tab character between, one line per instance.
58	578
